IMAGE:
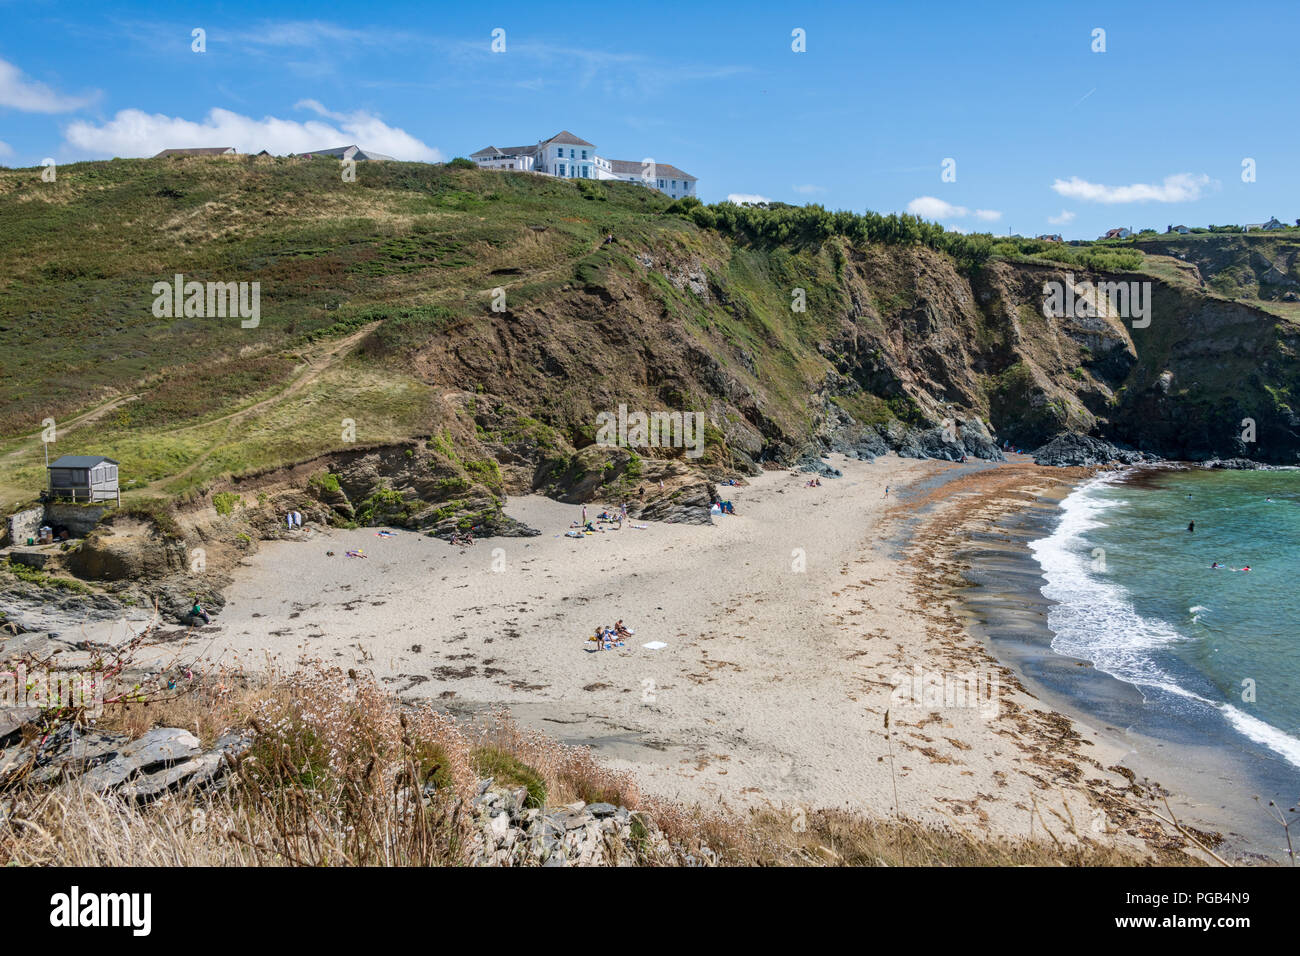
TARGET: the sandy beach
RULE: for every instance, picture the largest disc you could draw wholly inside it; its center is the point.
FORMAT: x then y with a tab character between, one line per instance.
789	629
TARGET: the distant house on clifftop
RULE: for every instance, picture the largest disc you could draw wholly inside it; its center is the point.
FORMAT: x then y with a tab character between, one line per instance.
347	152
1269	226
569	157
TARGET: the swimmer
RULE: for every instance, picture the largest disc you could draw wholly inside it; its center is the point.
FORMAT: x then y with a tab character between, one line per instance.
1216	566
1191	526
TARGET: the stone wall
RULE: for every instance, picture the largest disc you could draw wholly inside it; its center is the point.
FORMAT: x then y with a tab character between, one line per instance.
80	520
20	526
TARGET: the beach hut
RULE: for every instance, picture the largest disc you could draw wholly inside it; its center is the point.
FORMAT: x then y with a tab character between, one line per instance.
84	478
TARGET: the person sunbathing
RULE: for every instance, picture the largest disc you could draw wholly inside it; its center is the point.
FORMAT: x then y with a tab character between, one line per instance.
620	630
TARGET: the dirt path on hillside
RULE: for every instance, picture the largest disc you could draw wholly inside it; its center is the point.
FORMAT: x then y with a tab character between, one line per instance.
326	358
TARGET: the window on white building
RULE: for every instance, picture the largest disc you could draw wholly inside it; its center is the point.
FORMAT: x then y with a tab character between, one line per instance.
561	169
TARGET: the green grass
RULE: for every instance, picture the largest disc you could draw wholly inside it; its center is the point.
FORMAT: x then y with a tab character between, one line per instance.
507	770
405	260
42	579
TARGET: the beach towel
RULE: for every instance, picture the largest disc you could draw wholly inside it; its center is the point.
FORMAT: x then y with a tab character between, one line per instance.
357	554
640	527
654	645
385	534
573	534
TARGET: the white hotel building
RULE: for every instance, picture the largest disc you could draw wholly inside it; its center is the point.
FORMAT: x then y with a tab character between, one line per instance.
567	156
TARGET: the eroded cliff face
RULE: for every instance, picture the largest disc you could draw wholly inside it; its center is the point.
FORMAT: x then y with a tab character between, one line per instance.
893	343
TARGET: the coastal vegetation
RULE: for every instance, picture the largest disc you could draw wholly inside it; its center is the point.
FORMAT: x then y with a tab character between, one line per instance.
331	770
477	322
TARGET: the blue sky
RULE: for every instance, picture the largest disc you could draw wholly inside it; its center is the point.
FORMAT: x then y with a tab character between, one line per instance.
1046	134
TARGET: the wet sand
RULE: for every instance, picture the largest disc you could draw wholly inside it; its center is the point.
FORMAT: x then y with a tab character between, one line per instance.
1212	786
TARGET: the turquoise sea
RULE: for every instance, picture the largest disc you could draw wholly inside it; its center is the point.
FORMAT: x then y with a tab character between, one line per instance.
1213	651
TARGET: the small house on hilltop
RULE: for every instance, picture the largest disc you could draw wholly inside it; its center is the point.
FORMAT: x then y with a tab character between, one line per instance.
84	478
1269	226
346	152
1120	233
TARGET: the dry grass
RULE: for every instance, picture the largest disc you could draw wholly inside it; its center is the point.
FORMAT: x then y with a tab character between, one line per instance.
841	838
340	773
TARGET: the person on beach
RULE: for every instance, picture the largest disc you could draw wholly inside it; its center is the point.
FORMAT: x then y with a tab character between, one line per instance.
198	612
886	494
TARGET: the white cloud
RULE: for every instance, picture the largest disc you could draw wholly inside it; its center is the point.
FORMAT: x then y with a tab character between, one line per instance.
1065	217
928	207
808	189
739	198
136	133
1180	187
6	149
27	95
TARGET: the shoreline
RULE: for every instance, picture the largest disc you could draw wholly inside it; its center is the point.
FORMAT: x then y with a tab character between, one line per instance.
1004	605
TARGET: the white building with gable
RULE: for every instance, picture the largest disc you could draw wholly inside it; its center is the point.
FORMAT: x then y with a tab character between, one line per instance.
569	157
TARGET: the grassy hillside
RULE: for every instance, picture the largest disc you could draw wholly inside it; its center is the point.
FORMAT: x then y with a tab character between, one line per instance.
377	310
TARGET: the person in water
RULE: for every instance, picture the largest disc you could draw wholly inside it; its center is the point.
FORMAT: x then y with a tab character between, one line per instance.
1191	526
1216	566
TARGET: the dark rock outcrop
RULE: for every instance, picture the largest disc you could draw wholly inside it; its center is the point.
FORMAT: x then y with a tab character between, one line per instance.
1069	449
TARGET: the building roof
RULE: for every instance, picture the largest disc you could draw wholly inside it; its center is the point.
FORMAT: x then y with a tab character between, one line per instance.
197	151
568	139
623	167
347	152
492	151
80	461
